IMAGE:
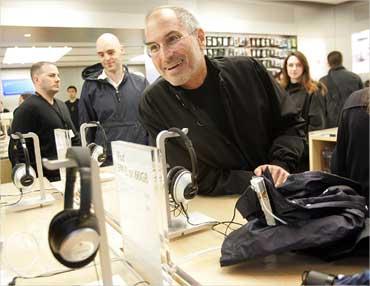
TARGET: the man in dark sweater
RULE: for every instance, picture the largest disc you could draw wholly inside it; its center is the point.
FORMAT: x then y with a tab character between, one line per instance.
239	120
41	113
72	105
340	83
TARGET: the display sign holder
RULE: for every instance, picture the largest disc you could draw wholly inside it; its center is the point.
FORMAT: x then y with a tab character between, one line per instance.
142	218
62	142
179	226
44	199
97	200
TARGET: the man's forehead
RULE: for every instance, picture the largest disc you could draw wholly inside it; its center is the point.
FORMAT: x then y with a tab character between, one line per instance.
49	68
107	43
162	28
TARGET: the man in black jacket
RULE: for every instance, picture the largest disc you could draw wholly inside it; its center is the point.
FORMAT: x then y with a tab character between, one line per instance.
340	83
41	113
72	104
239	120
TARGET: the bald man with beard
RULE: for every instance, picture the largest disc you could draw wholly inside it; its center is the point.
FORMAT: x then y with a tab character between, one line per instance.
111	95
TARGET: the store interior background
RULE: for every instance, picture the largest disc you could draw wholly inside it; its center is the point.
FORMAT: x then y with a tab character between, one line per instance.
320	28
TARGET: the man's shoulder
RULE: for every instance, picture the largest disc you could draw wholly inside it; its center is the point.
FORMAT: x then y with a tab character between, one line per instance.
237	64
30	106
226	61
324	78
359	98
158	85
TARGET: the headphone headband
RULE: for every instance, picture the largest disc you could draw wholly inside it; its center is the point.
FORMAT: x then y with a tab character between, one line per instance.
25	152
193	157
82	157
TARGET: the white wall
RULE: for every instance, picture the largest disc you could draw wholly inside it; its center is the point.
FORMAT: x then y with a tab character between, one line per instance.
323	30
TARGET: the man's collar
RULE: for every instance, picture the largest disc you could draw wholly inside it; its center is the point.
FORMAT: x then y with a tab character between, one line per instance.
103	75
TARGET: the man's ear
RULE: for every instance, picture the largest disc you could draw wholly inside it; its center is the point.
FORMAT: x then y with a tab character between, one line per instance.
122	49
201	36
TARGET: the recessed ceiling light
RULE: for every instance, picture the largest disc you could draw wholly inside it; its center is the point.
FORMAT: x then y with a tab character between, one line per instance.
33	55
28	35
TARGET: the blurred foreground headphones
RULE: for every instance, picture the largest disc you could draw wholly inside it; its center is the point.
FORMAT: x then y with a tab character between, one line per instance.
99	153
183	184
74	236
23	175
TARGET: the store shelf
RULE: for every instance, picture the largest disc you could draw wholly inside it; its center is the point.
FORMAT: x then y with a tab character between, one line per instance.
271	50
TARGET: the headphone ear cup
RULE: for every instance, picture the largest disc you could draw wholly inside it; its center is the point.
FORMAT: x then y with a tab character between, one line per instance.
73	241
170	178
180	184
97	152
20	178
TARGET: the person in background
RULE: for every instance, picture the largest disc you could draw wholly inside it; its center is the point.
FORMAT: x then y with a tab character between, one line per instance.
41	113
72	104
2	108
308	96
367	83
351	154
340	83
111	95
23	97
238	117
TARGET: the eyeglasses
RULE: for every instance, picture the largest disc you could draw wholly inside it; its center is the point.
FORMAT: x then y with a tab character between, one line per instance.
153	49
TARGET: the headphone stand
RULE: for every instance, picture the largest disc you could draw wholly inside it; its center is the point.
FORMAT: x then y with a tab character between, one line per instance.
83	128
179	226
97	200
44	199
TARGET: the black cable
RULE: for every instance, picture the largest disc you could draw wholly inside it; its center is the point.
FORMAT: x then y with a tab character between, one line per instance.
232	219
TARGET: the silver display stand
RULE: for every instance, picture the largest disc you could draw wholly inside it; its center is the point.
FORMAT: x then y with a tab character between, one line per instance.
97	200
83	128
44	199
179	226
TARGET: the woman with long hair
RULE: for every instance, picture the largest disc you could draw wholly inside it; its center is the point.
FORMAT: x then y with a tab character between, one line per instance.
307	94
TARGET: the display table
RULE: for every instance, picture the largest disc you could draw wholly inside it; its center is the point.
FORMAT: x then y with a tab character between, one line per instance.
26	252
198	255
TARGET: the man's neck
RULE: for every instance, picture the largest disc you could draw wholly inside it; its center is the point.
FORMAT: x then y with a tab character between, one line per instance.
72	100
115	76
48	97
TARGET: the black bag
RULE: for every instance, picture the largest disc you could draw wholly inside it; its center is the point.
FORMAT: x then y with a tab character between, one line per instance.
324	212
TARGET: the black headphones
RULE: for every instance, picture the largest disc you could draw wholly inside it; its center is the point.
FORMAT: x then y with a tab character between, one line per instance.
183	184
99	153
23	175
74	235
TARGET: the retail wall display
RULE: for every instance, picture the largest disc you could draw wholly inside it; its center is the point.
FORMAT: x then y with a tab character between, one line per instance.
271	50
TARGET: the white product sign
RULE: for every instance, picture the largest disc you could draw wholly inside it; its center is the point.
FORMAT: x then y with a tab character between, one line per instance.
140	189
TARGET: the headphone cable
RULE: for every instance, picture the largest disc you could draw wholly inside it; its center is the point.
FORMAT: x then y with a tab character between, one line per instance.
17	202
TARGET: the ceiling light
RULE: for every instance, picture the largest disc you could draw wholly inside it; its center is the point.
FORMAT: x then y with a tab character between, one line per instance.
28	35
33	55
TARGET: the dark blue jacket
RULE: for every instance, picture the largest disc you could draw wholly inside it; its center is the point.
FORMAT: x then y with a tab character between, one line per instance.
116	110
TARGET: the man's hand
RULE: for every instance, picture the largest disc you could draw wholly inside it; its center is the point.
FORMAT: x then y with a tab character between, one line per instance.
279	175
